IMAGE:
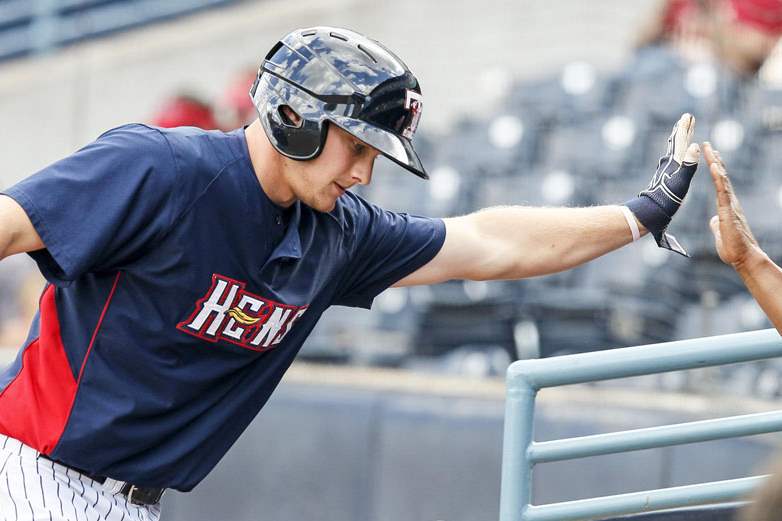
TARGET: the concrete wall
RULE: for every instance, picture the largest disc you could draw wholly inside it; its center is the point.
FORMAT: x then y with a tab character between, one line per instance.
357	445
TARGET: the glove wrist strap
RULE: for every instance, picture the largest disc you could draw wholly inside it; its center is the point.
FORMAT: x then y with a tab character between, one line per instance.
631	222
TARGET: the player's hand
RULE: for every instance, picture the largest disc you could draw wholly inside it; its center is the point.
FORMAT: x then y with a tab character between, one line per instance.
656	206
734	240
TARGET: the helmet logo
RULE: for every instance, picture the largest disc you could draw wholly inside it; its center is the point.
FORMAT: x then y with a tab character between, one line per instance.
414	103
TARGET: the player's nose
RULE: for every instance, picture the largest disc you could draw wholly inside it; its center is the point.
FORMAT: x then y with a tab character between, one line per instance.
362	172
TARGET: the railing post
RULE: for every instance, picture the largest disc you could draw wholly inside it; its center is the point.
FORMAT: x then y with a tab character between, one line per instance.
516	487
520	453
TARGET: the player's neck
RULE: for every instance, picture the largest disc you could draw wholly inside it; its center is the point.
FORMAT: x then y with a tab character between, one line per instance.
268	165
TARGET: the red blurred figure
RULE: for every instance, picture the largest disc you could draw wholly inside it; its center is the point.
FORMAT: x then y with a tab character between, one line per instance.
678	15
235	108
184	110
747	31
764	15
739	33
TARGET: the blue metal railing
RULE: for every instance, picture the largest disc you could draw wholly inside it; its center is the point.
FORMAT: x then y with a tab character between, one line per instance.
521	452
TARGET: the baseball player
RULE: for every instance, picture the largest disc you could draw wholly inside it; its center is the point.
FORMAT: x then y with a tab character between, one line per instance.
737	246
186	268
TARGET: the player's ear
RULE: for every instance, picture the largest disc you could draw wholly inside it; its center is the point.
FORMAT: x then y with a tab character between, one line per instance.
289	116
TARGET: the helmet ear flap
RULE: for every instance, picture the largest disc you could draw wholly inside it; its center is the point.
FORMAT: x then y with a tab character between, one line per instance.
303	141
292	120
289	117
290	133
324	131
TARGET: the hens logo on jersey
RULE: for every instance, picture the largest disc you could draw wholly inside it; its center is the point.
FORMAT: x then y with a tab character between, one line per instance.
227	312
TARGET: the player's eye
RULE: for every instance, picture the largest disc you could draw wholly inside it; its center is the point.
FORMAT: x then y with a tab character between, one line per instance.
359	149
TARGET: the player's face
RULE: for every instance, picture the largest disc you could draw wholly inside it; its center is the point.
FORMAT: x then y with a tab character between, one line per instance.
344	162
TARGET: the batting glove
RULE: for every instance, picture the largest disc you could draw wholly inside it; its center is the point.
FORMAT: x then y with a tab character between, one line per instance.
656	206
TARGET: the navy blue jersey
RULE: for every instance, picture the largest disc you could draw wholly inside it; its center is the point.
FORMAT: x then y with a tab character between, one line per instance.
178	296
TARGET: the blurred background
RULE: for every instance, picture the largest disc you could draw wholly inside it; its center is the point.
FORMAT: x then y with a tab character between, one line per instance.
397	412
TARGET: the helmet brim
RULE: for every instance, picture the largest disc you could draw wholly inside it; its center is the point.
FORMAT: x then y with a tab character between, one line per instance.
396	148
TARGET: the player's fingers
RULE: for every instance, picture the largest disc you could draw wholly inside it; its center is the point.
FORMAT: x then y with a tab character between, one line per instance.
693	153
714	224
708	153
690	128
671	139
717	177
719	158
723	172
721	184
682	136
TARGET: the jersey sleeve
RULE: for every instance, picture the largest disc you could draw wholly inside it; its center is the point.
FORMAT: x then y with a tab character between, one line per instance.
100	207
384	248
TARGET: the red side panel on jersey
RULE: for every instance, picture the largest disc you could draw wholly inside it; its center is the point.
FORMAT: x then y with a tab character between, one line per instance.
34	407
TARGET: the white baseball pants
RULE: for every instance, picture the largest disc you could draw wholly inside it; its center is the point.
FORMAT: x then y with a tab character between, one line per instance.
37	489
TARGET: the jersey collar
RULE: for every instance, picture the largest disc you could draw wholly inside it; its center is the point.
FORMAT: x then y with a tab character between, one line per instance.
290	245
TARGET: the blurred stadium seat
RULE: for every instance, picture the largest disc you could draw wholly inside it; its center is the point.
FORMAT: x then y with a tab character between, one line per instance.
27	27
580	138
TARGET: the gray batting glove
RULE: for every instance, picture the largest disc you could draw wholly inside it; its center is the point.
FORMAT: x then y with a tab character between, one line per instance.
656	206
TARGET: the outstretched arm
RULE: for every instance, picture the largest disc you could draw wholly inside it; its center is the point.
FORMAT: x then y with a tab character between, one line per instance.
518	242
17	233
737	247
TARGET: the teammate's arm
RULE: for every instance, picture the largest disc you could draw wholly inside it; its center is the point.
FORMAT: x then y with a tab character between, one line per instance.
737	247
17	233
519	242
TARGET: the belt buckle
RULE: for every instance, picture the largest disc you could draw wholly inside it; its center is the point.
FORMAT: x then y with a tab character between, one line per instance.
146	497
131	490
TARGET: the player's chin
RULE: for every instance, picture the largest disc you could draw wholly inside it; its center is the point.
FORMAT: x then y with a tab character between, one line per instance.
325	203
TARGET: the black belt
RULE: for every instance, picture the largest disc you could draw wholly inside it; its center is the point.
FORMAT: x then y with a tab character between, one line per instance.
136	495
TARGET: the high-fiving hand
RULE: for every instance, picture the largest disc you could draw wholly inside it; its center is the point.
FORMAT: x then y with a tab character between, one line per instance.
656	206
737	246
732	235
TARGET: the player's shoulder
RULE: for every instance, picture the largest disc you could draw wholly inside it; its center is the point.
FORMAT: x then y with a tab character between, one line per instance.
191	148
350	206
132	137
133	146
354	212
198	146
360	215
186	157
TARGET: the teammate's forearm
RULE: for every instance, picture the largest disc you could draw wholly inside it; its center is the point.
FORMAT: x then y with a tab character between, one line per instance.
540	241
763	279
